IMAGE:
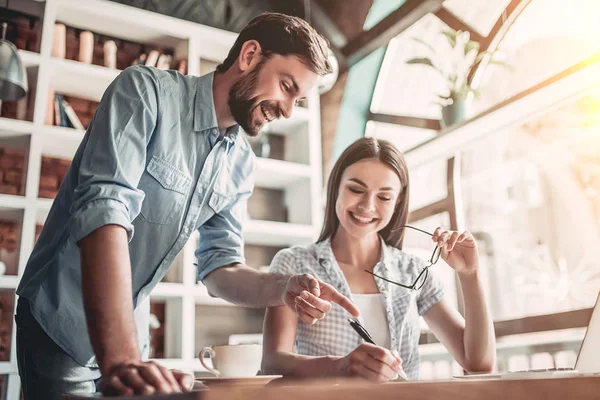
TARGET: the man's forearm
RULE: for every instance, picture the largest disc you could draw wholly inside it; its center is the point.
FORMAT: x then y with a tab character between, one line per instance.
107	296
245	286
479	338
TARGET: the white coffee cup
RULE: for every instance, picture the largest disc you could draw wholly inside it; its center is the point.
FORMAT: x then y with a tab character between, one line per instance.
233	361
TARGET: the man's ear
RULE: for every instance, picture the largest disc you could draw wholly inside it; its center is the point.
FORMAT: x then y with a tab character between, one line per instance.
250	53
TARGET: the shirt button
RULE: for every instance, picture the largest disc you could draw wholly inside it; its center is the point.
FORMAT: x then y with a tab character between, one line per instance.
325	263
169	181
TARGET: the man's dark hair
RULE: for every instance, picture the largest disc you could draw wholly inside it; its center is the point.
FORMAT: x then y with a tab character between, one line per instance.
284	35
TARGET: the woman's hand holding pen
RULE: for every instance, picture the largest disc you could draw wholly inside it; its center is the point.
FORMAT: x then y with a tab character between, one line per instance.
371	362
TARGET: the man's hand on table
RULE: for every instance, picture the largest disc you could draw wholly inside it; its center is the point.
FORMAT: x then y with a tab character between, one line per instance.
144	378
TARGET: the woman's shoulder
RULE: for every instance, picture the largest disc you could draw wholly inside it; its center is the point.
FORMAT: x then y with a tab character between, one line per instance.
300	251
295	256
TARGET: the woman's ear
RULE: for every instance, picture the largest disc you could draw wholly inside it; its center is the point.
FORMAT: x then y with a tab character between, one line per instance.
249	54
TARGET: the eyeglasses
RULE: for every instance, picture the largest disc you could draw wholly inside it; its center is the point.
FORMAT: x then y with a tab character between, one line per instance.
420	281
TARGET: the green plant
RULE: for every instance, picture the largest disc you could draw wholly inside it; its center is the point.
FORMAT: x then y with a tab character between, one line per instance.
456	66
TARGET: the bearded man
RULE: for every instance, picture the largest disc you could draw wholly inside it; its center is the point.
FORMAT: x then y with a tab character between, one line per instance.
164	155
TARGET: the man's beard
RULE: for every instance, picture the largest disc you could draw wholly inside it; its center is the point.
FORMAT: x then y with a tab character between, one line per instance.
242	105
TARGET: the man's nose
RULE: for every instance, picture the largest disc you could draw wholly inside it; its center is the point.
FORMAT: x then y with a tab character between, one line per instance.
287	107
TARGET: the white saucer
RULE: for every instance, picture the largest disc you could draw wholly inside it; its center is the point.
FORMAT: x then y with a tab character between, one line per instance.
259	380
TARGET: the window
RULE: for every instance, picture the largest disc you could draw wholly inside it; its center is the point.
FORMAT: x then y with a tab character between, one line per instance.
535	190
410	90
547	38
403	137
480	15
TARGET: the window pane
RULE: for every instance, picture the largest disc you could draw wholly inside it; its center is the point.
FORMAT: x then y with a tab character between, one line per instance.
535	191
411	89
480	15
403	137
547	38
428	184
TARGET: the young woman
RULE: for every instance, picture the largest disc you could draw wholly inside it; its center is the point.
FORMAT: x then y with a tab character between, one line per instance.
360	253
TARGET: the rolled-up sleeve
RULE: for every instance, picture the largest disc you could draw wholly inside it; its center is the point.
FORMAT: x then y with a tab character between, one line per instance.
114	155
221	237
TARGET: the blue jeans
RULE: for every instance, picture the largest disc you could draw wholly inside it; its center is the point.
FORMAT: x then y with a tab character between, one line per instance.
46	370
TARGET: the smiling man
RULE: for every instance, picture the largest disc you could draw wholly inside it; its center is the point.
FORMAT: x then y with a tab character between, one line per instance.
165	154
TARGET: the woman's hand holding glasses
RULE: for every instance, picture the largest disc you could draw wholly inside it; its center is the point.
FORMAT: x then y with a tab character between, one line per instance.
458	250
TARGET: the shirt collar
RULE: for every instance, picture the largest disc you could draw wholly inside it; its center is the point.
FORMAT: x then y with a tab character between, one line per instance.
324	252
205	116
386	255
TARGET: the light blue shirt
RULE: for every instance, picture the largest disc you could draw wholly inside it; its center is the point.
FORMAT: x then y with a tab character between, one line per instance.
153	162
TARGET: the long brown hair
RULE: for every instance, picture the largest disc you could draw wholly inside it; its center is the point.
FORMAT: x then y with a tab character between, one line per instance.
385	152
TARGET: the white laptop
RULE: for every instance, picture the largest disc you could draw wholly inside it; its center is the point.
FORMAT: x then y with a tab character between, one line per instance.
588	359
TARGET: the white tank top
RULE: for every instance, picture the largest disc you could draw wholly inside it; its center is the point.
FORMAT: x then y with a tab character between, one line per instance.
372	311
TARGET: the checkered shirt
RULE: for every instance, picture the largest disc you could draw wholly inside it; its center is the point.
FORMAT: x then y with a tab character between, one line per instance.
333	335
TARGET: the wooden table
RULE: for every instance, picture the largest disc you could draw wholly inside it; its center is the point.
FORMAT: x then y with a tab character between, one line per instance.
581	388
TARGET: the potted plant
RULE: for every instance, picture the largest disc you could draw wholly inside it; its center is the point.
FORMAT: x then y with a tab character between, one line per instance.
455	69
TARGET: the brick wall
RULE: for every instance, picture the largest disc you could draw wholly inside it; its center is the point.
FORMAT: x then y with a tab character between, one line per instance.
23	31
7	298
12	171
157	335
52	175
38	230
21	109
10	234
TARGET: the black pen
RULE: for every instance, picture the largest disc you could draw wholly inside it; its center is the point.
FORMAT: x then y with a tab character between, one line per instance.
355	324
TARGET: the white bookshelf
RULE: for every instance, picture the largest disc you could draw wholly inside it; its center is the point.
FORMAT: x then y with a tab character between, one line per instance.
299	176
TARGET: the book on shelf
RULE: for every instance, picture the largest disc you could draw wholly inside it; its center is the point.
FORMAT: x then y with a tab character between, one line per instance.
71	115
64	115
57	110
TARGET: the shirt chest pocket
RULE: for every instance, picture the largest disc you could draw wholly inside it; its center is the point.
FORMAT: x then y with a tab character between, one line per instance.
166	188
